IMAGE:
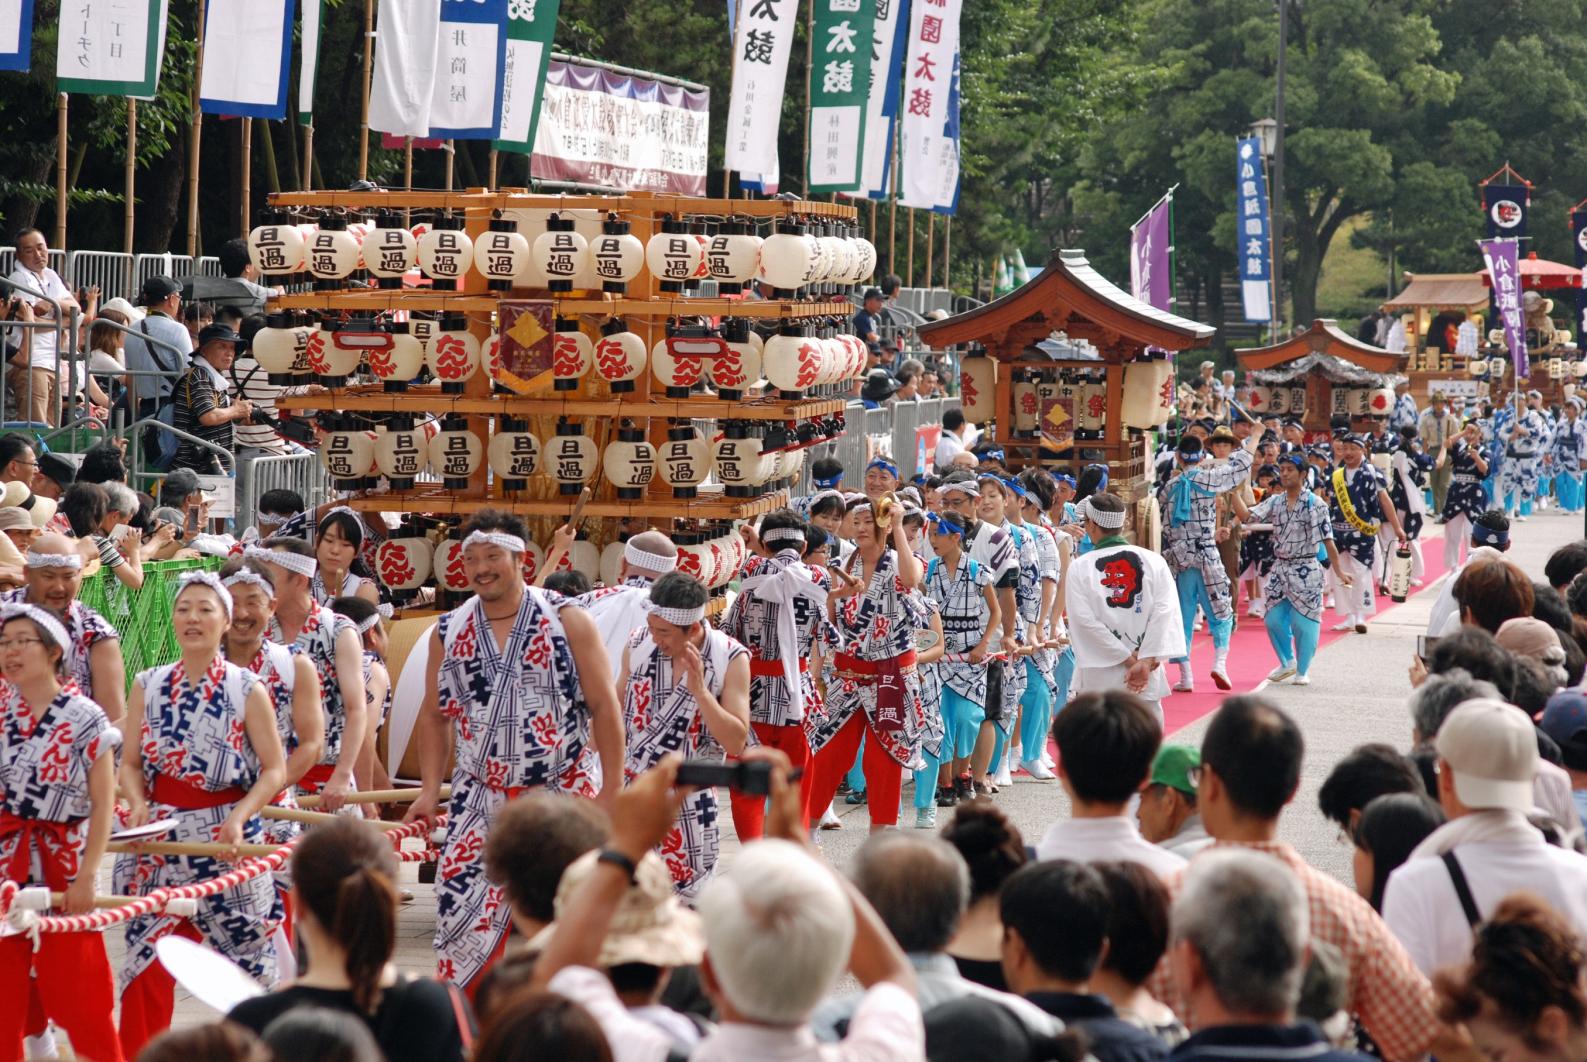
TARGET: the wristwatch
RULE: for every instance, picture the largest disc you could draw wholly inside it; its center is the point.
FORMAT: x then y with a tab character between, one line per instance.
621	861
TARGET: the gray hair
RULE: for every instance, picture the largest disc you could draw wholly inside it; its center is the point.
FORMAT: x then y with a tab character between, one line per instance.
1244	913
1435	698
123	499
920	886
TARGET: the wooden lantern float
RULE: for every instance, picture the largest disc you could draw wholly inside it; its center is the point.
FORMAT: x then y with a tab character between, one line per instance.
1332	375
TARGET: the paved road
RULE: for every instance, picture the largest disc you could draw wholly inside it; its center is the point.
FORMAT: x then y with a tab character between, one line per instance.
1357	695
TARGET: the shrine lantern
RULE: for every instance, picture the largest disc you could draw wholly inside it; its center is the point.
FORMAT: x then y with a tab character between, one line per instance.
677	362
561	253
864	260
1148	394
686	460
534	558
1497	366
673	255
402	453
1380	401
1026	418
389	250
399	362
1091	406
572	457
619	356
1297	399
1278	400
1360	401
514	453
978	387
275	248
617	256
450	573
1556	368
348	454
314	351
453	356
404	563
501	254
347	346
739	462
1339	402
275	347
332	252
445	251
455	453
739	368
629	463
572	354
610	568
733	255
582	557
1257	399
796	360
787	258
1578	368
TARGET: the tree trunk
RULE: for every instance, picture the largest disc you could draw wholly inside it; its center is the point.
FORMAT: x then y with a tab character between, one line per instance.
1311	247
267	146
160	198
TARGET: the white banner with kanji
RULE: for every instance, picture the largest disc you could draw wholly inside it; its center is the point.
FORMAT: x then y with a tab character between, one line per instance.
761	45
111	47
406	32
881	102
247	58
923	110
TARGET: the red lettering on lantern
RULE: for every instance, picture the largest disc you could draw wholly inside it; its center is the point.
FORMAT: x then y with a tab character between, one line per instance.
451	358
728	370
395	567
315	353
809	364
565	360
611	359
380	363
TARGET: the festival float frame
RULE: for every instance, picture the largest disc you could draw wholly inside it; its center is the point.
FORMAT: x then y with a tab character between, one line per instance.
1065	413
1419	304
1558	367
1329	372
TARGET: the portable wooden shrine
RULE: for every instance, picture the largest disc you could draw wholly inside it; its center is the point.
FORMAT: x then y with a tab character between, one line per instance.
1318	375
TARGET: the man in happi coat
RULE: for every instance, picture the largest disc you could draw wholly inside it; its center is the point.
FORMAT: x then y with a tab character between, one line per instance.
1569	451
617	610
518	680
1525	440
1124	619
1359	503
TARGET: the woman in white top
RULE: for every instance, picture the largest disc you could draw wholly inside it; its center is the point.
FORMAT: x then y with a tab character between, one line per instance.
337	540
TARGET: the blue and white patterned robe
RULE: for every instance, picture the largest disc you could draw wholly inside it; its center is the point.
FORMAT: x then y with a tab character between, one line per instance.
1298	533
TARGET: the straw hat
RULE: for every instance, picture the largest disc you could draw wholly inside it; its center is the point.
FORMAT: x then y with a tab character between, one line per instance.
650	926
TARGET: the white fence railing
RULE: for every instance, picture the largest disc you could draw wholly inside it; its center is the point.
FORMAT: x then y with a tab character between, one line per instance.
116	273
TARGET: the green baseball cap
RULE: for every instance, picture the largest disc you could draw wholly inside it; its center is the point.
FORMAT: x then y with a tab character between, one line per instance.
1178	767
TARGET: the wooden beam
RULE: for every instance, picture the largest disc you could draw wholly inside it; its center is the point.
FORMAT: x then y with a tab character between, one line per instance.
374	401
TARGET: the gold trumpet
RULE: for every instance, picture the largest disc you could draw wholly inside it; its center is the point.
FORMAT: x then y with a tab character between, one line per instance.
886	506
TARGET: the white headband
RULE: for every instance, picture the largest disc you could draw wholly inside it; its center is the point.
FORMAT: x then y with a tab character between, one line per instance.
679	617
1104	520
205	579
648	561
820	495
783	534
41	619
862	507
305	566
510	543
55	560
252	579
962	486
368	622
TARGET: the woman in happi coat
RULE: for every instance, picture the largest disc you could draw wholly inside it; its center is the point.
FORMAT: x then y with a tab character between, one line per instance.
337	542
874	691
685	689
207	755
1467	497
288	677
57	792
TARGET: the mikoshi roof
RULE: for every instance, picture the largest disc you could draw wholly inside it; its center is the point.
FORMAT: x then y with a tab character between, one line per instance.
1316	345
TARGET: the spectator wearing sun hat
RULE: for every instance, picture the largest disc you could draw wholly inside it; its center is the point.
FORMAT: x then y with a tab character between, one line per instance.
1168	814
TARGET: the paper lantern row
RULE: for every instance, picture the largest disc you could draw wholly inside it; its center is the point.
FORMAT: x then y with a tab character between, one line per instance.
1043	401
408	562
1555	368
745	465
1270	401
559	257
1361	401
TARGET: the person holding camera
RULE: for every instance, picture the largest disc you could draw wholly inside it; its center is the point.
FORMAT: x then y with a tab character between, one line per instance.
205	407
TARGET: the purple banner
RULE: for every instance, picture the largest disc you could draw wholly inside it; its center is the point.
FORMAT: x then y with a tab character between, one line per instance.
1150	279
1502	259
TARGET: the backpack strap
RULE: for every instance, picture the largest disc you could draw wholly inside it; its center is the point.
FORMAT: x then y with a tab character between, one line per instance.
1457	878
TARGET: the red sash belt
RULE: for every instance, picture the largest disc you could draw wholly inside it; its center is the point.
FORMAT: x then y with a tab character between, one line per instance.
773	668
53	840
315	777
189	797
852	667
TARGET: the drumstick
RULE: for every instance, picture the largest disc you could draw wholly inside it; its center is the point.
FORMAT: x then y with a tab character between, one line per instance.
190	848
304	815
578	508
376	796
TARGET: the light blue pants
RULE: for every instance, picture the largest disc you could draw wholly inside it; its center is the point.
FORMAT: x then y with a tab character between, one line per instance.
1035	712
961	722
1193	592
1286	625
1570	491
1000	744
1063	677
856	776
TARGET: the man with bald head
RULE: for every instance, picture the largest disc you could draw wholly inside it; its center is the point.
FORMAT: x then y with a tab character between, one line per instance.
54	575
617	610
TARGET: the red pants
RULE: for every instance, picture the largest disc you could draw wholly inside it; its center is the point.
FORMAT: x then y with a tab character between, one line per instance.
884	778
749	812
472	987
74	986
147	1003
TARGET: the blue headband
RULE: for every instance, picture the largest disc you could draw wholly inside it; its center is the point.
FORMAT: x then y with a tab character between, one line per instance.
1065	478
830	481
1295	458
1489	536
1014	485
991	455
1191	458
943	524
882	462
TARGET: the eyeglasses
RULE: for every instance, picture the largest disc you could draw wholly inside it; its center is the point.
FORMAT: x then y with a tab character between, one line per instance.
17	643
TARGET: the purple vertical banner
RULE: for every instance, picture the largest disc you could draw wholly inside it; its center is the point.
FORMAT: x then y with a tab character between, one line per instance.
1150	240
1504	271
1578	239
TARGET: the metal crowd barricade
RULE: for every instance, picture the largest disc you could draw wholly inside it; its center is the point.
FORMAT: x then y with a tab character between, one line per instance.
110	270
256	476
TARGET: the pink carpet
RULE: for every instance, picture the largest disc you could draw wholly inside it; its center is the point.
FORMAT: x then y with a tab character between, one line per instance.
1251	654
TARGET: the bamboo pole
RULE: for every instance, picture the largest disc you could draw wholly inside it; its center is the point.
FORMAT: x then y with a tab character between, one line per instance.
308	157
909	272
947	253
407	177
320	817
490	181
60	170
810	62
194	140
363	121
377	796
451	162
931	233
245	165
191	848
131	171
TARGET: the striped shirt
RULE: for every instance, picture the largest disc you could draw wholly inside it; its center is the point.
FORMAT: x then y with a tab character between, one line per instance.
196	394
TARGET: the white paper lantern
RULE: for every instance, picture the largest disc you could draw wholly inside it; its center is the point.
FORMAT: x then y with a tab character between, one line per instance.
673	256
345	347
629	463
581	557
1257	399
1026	410
404	563
733	255
572	355
1278	400
514	453
501	254
455	453
561	253
738	369
1149	394
794	361
1380	401
1497	367
348	456
864	260
275	347
398	362
611	565
1360	401
1297	399
276	248
978	388
686	460
786	258
450	573
333	252
619	356
617	256
739	462
453	354
678	374
389	250
402	453
445	252
690	558
572	458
